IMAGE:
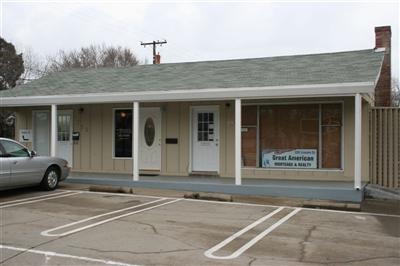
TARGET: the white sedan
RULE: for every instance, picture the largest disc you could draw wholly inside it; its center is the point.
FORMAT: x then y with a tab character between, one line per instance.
20	167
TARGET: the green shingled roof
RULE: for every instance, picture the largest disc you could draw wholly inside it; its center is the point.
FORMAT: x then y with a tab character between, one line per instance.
343	67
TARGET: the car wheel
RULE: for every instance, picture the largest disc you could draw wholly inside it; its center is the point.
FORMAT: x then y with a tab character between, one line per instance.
50	179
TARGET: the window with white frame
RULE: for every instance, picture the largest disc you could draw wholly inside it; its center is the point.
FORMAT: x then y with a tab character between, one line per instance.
123	133
294	136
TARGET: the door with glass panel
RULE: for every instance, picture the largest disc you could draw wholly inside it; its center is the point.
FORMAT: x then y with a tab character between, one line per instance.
41	132
150	139
205	139
64	135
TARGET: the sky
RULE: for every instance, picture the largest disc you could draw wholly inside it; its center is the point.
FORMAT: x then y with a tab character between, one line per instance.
199	30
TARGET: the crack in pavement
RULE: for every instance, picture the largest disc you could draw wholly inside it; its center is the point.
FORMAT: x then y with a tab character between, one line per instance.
303	243
252	260
28	249
362	260
150	225
167	236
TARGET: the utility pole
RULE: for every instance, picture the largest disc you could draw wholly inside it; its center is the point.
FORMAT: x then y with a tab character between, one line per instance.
154	43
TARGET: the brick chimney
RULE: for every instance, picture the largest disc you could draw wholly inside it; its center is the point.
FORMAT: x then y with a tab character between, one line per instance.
383	87
158	59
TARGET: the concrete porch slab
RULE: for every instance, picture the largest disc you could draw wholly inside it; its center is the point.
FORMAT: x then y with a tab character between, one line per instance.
314	190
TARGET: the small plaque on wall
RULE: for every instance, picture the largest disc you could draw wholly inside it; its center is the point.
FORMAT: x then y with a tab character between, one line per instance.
25	135
171	141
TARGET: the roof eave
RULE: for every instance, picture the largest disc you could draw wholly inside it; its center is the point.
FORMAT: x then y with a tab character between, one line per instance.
291	91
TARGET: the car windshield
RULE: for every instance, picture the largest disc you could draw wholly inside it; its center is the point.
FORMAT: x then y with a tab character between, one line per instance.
14	149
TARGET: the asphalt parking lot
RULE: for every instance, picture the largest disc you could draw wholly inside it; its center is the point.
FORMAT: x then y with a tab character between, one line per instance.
77	227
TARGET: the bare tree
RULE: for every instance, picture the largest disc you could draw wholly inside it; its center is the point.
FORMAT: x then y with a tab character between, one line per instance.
34	67
93	56
395	93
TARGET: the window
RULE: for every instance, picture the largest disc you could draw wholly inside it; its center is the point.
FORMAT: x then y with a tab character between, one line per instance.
205	126
249	136
63	127
123	133
331	135
295	136
13	149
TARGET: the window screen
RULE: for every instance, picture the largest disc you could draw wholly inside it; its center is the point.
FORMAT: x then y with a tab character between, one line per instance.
249	136
331	128
123	133
289	127
292	136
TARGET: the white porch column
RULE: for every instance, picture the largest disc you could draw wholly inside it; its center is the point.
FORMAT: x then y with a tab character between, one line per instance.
238	142
135	141
53	131
357	141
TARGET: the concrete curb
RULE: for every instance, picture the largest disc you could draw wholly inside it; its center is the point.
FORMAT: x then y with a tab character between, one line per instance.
263	200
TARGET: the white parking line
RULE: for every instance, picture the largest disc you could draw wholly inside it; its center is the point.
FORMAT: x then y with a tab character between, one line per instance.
122	194
67	256
238	252
38	199
47	232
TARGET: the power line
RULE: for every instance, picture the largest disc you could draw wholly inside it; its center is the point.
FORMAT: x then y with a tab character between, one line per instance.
121	26
156	58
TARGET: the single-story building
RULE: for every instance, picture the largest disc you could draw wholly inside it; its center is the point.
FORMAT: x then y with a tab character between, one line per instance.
300	117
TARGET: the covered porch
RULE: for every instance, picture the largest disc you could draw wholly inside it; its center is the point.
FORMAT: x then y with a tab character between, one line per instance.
235	178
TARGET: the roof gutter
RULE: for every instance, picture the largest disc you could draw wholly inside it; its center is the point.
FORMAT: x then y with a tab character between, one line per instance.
292	91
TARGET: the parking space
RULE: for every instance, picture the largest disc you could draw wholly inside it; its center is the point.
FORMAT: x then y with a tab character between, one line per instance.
91	228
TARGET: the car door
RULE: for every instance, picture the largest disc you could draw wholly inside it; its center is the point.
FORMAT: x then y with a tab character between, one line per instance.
24	168
5	168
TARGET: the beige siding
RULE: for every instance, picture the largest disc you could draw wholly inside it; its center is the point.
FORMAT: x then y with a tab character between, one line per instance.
77	144
229	140
184	138
107	139
171	123
85	134
23	121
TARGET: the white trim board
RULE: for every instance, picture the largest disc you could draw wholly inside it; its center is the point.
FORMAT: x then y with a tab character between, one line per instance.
313	90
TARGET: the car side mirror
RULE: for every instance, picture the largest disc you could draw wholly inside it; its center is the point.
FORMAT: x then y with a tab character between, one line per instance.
32	153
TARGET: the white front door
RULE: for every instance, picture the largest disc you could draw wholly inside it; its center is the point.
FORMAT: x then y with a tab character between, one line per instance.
150	139
64	135
205	139
41	132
